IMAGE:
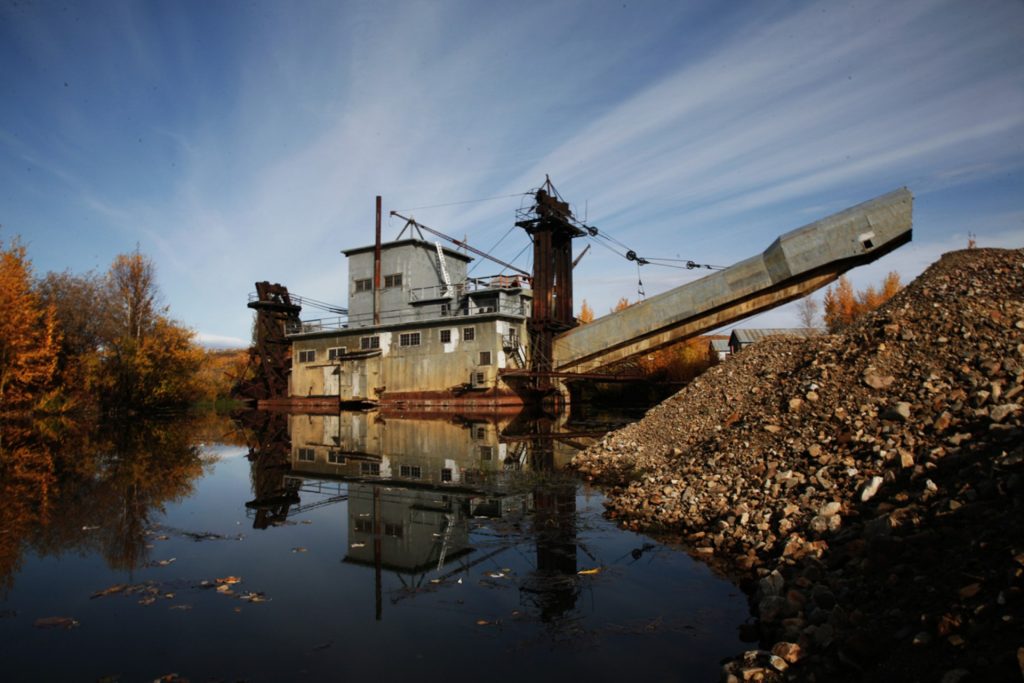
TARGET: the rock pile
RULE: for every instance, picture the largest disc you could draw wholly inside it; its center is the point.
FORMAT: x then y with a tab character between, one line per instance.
869	485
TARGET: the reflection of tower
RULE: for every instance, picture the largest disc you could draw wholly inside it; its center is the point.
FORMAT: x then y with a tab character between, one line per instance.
269	453
554	584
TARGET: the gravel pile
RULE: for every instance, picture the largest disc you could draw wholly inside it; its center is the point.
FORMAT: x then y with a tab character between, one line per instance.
867	487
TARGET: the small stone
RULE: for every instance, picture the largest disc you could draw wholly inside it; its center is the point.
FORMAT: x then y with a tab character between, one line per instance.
795	404
922	638
874	379
1001	412
906	458
778	663
870	489
970	590
812	396
772	429
791	651
830	509
814	450
899	412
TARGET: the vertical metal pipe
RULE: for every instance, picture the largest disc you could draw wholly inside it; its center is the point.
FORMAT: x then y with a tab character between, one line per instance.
376	269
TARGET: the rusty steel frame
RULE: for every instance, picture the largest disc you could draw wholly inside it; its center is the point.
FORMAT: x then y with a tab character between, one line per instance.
270	354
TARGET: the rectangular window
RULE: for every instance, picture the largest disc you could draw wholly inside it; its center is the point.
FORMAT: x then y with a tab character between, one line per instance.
364	526
393	280
446	336
394	530
411	471
480	378
307	455
481	432
446	309
369	343
486	452
308	356
446	474
335	458
336	353
364	285
468	333
485	358
409	339
369	468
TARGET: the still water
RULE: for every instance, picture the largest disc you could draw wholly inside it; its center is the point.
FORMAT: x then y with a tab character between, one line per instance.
318	547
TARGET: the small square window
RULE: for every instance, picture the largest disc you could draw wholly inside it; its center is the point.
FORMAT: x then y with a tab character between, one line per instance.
485	358
409	339
372	468
446	336
369	343
446	474
335	458
307	455
410	471
364	285
364	526
308	356
480	378
481	432
336	353
486	452
468	333
394	530
393	280
446	309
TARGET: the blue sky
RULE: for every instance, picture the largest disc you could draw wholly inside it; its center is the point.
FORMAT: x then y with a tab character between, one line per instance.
236	142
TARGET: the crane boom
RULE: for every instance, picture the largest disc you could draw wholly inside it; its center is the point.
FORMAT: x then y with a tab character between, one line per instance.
460	243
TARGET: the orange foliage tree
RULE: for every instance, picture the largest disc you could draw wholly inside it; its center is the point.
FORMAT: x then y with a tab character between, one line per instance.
586	313
28	334
621	305
843	306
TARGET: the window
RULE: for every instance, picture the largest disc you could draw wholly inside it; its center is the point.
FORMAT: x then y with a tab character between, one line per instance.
307	455
468	333
446	474
369	343
369	468
392	529
393	280
411	471
335	458
486	452
481	432
480	378
364	526
485	358
336	353
307	356
446	309
409	339
446	336
364	285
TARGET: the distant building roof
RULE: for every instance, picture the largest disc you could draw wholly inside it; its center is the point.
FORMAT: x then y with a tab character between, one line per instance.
720	345
744	336
406	242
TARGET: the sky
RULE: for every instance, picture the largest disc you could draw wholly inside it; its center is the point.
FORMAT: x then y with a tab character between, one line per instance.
234	142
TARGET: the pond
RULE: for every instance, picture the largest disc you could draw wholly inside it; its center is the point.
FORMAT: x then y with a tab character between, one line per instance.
314	547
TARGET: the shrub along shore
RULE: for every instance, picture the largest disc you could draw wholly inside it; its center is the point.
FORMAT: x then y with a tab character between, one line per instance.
866	487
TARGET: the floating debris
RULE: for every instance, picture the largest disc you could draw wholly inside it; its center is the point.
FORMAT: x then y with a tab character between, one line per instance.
56	622
298	549
228	580
117	588
589	572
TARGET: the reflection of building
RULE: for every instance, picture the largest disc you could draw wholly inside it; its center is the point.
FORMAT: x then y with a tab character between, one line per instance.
358	445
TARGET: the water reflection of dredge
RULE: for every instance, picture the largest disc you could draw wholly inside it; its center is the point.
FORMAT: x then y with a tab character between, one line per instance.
415	487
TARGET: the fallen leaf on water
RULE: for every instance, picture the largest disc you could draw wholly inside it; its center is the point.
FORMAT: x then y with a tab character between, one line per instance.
306	521
117	588
253	597
435	581
226	589
162	563
168	596
482	622
162	537
238	610
149	600
588	572
298	549
55	622
228	580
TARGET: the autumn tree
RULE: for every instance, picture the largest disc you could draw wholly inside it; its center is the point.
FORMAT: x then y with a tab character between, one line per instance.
147	360
621	305
586	313
79	302
843	305
807	311
28	334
